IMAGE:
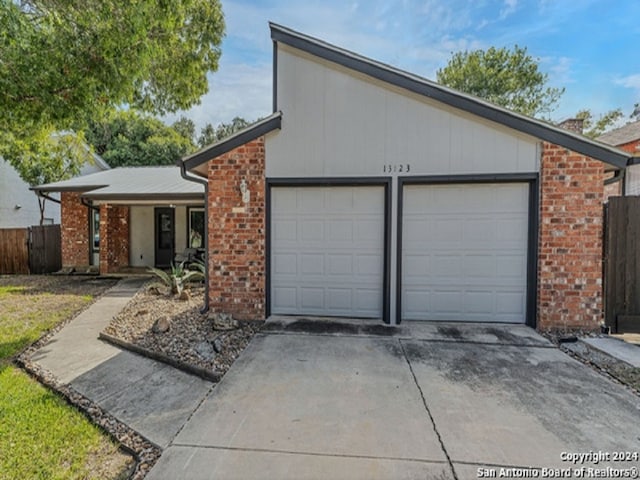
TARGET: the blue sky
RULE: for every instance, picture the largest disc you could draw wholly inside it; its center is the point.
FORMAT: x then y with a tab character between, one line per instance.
590	47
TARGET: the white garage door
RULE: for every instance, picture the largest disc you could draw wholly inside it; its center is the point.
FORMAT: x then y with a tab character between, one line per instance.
327	251
464	252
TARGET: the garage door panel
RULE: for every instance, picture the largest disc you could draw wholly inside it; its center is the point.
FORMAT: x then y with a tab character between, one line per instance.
286	297
338	250
510	303
312	298
464	252
285	263
312	264
285	230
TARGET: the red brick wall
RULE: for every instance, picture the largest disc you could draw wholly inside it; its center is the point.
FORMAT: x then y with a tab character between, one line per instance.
631	147
570	242
114	237
237	233
74	226
613	189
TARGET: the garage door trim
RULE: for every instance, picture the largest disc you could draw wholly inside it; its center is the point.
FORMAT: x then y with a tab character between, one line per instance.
532	252
384	182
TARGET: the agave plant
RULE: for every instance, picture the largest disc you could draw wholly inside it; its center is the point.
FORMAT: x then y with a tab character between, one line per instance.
179	275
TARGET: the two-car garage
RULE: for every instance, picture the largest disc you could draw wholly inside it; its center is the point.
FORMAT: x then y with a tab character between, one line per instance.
461	250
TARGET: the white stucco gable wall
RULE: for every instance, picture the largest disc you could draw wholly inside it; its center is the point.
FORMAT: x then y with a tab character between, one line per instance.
338	122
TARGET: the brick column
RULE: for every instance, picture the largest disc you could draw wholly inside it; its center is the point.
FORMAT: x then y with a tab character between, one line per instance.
74	228
570	242
237	232
114	238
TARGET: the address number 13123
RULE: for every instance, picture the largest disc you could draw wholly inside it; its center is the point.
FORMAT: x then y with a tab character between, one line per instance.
396	168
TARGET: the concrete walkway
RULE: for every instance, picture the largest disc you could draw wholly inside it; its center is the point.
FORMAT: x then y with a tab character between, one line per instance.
349	400
152	398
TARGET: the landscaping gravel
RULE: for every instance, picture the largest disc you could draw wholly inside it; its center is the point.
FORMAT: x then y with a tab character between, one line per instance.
190	338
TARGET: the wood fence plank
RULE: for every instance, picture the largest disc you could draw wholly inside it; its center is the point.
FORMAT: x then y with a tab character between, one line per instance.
14	251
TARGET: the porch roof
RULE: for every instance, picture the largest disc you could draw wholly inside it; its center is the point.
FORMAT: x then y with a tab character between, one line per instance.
158	183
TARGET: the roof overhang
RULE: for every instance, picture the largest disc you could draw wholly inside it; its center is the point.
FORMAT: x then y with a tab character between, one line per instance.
469	103
258	129
75	188
136	197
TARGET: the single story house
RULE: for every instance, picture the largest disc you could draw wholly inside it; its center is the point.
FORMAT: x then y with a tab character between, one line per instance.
627	138
128	217
371	192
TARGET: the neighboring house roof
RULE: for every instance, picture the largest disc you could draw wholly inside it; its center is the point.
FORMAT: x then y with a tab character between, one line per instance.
130	183
259	128
623	135
448	96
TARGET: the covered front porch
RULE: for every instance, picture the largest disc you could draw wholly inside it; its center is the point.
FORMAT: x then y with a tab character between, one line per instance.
129	219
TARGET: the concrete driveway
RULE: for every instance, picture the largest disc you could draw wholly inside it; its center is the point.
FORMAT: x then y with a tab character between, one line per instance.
311	399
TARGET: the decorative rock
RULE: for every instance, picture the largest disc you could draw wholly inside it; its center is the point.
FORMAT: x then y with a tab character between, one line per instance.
161	325
224	321
218	345
205	350
184	295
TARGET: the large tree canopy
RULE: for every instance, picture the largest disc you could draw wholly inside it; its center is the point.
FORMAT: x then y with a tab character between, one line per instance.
64	60
128	138
210	134
63	63
509	78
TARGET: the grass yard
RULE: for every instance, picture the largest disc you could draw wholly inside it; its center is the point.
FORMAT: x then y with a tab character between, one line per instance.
41	436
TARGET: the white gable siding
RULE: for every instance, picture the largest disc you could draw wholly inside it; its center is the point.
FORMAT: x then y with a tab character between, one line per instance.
15	192
337	122
632	180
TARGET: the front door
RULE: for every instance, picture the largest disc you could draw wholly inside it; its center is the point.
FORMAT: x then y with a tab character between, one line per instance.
164	237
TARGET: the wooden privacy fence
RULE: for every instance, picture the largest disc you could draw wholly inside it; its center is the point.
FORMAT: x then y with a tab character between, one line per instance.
30	250
14	250
622	264
45	250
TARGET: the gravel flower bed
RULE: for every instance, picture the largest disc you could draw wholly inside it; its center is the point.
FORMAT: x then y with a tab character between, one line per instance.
190	340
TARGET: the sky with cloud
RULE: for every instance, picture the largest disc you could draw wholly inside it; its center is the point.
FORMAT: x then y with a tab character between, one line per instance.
590	47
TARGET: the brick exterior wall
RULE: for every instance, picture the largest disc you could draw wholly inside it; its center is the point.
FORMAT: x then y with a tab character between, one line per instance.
632	147
570	241
613	189
114	238
74	229
236	233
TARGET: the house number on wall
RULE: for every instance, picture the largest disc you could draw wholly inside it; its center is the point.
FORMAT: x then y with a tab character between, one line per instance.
397	168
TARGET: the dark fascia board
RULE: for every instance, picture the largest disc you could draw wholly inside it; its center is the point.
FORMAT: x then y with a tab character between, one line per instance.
76	188
144	196
453	98
264	126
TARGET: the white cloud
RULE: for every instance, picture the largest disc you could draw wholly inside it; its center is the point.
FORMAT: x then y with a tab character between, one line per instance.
629	81
236	90
509	7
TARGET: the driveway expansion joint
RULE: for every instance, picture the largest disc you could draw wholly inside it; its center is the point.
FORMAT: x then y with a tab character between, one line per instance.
313	454
426	407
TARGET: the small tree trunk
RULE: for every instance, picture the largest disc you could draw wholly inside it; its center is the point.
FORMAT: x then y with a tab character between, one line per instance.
41	205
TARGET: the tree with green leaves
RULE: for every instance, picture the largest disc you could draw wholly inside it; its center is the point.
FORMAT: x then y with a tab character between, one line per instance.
62	63
185	127
129	138
594	128
510	78
49	159
210	134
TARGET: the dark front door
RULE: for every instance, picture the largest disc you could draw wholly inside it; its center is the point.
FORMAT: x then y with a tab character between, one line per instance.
164	233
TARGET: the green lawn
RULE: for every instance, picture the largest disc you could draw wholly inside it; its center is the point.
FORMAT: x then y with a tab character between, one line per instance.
41	436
